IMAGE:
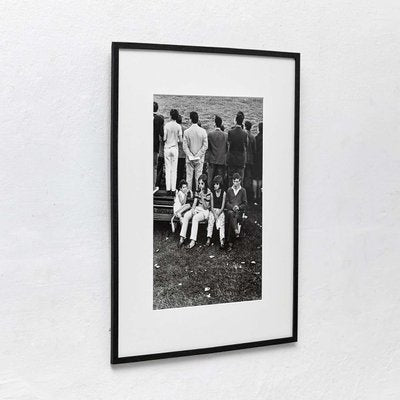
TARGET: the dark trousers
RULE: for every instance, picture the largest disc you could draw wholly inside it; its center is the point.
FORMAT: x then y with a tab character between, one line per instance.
232	169
181	174
248	181
155	162
214	170
160	173
232	217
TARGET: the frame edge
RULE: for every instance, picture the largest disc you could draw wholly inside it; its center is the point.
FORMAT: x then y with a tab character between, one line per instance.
116	46
114	202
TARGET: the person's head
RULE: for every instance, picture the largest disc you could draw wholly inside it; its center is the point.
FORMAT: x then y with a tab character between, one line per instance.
183	185
203	183
194	117
236	178
174	114
248	125
239	118
179	119
218	121
155	106
260	128
217	182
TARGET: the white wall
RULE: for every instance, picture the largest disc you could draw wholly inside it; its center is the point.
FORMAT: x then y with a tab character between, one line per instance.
54	197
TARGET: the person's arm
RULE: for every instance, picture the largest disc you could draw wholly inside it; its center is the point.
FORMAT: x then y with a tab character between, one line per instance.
194	203
243	204
180	134
182	197
186	147
229	205
246	148
212	206
183	208
161	128
204	146
223	204
165	134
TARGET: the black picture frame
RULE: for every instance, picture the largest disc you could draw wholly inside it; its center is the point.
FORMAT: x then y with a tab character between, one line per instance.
116	47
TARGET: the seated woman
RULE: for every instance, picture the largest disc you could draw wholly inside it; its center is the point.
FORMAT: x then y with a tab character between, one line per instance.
180	203
217	212
199	212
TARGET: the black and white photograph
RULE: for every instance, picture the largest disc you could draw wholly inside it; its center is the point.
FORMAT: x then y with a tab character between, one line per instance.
204	199
207	181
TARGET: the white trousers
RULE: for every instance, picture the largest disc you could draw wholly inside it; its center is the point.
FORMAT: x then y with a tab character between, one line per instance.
199	214
219	224
171	167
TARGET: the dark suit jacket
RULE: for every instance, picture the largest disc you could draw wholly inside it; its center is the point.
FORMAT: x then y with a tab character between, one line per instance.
237	139
158	131
239	200
217	146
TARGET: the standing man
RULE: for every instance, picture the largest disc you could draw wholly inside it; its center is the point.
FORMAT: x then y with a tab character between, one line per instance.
195	145
237	143
172	136
217	148
250	157
158	133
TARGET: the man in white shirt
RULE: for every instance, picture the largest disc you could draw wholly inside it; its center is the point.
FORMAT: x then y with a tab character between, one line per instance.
172	136
195	145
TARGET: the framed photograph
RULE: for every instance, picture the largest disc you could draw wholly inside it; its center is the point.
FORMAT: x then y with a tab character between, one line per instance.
204	195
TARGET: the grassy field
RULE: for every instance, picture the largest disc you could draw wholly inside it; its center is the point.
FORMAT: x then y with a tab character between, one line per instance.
207	275
209	106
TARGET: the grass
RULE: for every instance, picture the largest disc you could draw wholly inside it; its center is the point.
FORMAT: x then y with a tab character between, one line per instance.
209	106
207	275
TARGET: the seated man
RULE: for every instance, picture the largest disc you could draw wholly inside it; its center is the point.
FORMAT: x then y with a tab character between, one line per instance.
236	203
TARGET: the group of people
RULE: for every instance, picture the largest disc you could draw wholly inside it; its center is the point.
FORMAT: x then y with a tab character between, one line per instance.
215	160
211	205
216	153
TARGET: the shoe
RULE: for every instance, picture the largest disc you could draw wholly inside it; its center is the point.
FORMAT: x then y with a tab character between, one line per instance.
191	244
181	242
208	243
222	244
230	246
